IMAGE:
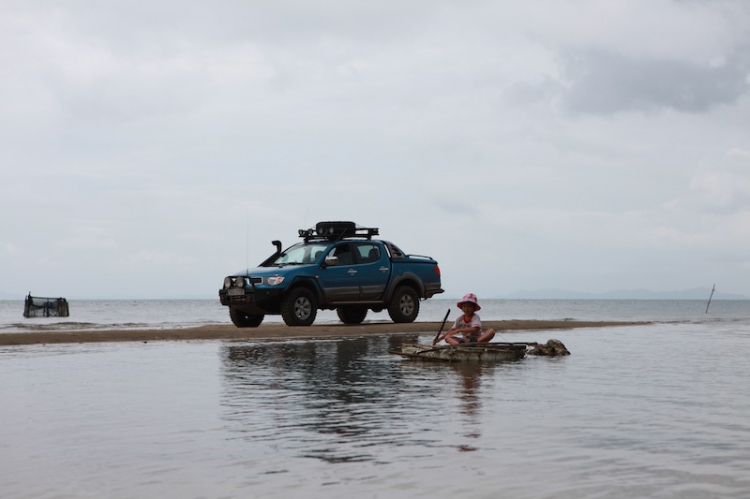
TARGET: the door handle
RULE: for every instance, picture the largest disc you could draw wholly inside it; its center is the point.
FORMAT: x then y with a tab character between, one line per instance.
383	269
352	271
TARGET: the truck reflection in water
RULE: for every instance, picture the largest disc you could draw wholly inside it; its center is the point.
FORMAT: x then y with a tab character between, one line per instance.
346	400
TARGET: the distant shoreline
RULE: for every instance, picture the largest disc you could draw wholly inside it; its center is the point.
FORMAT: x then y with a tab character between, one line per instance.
277	330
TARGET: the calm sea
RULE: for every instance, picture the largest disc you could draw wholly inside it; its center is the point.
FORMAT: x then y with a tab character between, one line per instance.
660	410
167	314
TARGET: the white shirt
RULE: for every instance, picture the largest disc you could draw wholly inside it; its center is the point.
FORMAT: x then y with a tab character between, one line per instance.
474	322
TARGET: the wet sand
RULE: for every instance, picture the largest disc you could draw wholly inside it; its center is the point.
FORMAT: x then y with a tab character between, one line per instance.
278	330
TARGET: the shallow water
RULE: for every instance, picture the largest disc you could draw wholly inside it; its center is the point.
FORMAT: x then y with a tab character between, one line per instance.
642	411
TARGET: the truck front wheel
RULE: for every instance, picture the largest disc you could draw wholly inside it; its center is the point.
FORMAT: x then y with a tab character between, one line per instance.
241	319
352	315
404	305
299	307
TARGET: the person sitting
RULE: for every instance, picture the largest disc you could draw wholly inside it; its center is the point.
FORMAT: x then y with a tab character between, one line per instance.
468	327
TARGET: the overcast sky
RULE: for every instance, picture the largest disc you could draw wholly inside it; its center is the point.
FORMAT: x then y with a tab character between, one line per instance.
149	148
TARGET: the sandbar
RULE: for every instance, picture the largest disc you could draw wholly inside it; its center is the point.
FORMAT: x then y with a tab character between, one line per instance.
280	331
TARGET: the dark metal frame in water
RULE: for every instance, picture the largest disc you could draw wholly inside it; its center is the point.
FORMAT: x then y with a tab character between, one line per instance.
36	306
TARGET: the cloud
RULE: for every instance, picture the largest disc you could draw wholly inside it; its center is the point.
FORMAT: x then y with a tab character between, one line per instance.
88	239
723	184
638	56
152	258
721	190
456	208
9	249
604	83
88	242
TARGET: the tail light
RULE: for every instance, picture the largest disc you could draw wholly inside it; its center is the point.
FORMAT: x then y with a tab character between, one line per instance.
437	270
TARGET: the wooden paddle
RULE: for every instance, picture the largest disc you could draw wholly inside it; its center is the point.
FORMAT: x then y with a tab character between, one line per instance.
441	326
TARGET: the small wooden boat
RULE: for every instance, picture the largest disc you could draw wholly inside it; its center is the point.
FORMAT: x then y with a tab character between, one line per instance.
467	352
481	352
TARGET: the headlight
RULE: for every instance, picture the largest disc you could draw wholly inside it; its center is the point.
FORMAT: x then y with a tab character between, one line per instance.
273	281
239	282
227	282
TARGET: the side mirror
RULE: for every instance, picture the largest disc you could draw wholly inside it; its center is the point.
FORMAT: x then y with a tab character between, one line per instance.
331	261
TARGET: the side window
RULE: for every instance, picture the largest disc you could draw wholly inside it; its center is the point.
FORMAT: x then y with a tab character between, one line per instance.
368	252
344	253
396	252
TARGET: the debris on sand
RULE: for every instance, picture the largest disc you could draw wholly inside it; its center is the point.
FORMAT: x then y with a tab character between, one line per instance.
552	348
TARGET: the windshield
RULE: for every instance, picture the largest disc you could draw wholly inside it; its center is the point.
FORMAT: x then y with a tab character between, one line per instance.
301	254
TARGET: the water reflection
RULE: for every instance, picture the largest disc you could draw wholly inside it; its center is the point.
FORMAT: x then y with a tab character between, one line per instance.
348	400
470	402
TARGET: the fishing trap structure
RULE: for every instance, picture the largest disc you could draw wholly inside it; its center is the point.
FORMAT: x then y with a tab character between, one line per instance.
36	306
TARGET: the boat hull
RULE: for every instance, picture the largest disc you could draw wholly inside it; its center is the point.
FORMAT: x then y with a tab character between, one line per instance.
476	352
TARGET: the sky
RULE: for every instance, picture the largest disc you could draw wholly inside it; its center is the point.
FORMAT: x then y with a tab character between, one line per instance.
150	148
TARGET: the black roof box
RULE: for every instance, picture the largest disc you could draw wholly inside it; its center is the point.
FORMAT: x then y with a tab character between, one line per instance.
337	230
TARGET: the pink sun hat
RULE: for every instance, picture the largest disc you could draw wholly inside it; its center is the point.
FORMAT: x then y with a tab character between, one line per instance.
470	298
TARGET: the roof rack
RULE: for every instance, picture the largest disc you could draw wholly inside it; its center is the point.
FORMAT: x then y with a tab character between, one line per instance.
334	231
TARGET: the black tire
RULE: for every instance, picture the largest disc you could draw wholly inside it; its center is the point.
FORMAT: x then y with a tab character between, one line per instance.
352	315
241	319
404	305
299	307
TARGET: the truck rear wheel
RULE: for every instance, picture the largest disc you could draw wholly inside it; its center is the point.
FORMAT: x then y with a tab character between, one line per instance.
352	315
299	308
404	305
241	319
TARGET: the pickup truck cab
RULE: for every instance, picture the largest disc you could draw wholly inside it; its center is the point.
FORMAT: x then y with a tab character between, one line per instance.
338	265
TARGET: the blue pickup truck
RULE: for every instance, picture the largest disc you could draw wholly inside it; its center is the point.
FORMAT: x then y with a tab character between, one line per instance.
338	265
